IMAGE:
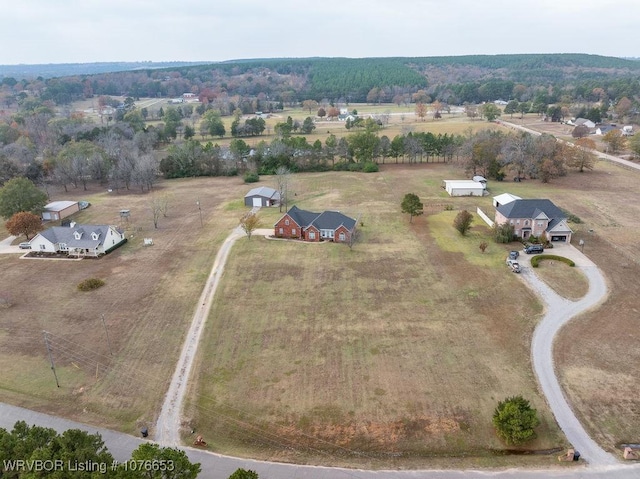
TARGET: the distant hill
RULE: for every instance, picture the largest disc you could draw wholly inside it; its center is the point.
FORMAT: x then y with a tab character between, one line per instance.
543	78
51	70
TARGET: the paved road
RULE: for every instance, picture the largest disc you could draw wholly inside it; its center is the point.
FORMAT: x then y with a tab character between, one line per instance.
604	156
5	246
215	466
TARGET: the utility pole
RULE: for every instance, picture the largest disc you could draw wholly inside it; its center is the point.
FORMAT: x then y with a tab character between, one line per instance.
53	367
200	210
106	331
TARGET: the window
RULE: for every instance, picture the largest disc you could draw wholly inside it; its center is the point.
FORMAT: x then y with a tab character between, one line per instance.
517	222
312	235
286	222
293	231
526	223
42	247
280	231
539	223
342	236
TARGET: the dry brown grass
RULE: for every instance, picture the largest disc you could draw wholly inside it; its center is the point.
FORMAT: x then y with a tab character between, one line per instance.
382	378
396	347
568	282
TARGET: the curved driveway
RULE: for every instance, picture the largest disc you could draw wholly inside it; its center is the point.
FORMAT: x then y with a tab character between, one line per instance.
559	311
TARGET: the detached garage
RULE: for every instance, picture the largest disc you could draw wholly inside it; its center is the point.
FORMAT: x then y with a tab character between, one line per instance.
58	210
263	196
463	187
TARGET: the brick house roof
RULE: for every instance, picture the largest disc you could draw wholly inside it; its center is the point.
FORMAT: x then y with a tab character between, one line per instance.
327	220
531	209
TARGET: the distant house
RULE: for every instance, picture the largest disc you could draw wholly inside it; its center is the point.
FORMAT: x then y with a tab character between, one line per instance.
582	122
314	227
536	217
262	196
503	199
627	130
604	129
463	187
58	210
78	240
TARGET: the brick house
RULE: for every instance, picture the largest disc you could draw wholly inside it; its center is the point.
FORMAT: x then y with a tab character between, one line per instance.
314	227
540	218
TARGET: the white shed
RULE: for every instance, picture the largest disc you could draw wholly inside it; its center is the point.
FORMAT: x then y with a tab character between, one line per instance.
463	187
504	199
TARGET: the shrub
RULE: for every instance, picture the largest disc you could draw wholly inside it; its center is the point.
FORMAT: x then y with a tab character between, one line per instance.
515	420
251	177
370	167
462	222
90	284
503	233
448	207
535	261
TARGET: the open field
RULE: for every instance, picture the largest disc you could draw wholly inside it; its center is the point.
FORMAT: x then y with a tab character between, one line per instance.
405	343
147	303
401	347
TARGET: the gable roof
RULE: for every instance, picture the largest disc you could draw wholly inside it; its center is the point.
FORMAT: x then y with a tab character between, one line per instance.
67	235
59	205
531	209
265	192
327	220
505	198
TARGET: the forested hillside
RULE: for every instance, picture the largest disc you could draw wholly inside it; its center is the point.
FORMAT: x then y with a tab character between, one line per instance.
454	80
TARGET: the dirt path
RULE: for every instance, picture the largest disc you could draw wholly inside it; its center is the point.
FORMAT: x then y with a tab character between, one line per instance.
167	431
559	311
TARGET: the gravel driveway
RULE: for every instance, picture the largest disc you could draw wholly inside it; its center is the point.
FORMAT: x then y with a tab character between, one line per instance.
559	311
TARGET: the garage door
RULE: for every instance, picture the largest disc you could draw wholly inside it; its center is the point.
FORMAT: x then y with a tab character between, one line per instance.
257	201
562	238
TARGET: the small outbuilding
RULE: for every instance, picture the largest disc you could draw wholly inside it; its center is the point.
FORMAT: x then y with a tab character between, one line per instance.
504	199
463	187
58	210
262	196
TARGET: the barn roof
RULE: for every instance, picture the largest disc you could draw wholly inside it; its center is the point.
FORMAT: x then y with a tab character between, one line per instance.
265	192
59	205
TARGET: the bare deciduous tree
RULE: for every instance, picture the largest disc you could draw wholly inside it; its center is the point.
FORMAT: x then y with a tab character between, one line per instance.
283	177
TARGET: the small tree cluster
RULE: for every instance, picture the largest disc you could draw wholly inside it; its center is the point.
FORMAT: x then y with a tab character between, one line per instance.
462	222
503	233
515	420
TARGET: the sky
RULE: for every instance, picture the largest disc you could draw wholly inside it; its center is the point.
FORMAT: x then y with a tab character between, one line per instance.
86	31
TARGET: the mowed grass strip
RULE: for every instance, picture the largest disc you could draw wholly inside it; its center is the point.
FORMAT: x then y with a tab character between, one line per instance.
394	347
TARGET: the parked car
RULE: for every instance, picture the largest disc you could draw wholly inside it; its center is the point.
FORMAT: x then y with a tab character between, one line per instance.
534	249
24	246
514	254
514	265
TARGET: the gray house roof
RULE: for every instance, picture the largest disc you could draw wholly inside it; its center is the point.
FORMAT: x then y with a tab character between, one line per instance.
79	236
265	192
531	209
327	220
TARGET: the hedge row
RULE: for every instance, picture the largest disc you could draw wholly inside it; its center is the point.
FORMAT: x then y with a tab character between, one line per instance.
535	261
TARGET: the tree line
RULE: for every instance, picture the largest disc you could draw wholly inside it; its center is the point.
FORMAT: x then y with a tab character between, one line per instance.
454	80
